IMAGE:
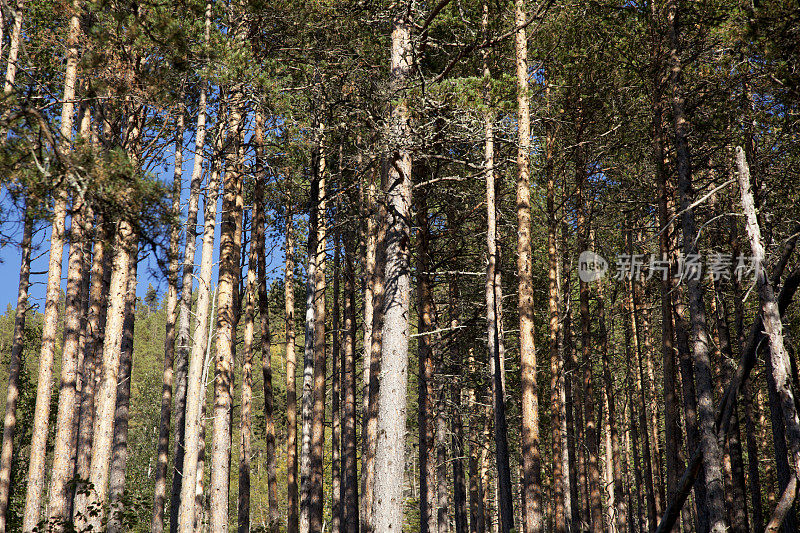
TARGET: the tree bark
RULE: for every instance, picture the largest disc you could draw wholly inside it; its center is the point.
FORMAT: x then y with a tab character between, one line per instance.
336	394
530	399
36	468
373	323
477	519
556	363
61	472
712	454
349	464
620	512
13	49
18	345
195	396
184	342
570	367
93	348
119	455
308	364
109	380
227	311
259	216
390	447
291	382
591	431
425	311
162	451
779	364
245	424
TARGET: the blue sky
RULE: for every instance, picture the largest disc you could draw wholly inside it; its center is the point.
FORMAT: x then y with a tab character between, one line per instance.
10	253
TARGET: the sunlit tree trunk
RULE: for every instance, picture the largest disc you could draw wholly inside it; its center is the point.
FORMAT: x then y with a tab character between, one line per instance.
259	216
61	471
119	455
779	363
318	408
184	341
712	454
390	449
227	310
291	382
93	348
311	452
37	464
245	424
171	305
195	397
125	247
530	394
375	258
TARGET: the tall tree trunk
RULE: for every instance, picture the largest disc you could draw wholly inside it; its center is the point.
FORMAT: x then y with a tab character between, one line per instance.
440	424
493	329
93	348
349	464
620	511
109	380
18	345
530	399
427	460
477	521
195	396
227	310
13	49
291	382
653	414
184	341
61	471
753	471
570	367
712	454
591	431
373	293
736	500
119	456
390	448
36	468
308	364
245	424
455	369
336	394
311	497
162	451
779	364
652	515
673	452
259	217
556	364
11	65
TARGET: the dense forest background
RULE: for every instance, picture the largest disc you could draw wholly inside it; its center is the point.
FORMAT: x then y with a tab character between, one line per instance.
363	228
